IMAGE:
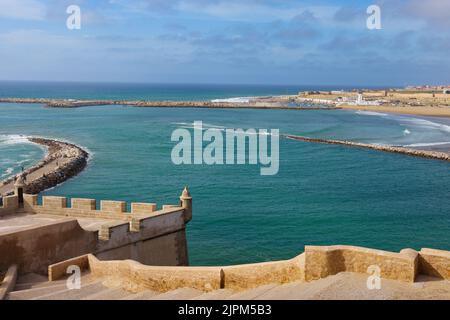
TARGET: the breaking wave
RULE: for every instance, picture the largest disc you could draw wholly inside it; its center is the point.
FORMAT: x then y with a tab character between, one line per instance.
9	139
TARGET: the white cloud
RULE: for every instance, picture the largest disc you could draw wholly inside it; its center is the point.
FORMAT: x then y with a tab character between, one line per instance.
243	11
22	9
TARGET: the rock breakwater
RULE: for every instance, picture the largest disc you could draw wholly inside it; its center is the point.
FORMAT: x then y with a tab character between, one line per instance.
63	161
392	149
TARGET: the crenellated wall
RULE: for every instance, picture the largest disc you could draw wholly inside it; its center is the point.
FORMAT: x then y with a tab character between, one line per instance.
57	232
86	208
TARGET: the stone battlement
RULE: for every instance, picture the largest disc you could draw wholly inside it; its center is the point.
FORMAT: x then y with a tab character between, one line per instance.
87	208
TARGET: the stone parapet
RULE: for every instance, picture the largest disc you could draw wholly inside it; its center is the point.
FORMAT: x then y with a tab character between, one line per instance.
315	263
321	262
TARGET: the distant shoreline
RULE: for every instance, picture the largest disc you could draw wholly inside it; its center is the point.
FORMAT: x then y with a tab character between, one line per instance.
63	161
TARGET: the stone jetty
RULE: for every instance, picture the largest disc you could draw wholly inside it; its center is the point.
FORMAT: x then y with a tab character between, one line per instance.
63	161
257	103
393	149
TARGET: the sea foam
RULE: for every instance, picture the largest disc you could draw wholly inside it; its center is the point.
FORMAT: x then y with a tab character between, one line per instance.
371	113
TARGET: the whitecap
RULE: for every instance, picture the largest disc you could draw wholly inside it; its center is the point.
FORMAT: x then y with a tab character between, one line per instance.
371	113
421	123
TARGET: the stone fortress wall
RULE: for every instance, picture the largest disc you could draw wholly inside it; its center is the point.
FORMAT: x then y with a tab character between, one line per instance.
39	235
146	249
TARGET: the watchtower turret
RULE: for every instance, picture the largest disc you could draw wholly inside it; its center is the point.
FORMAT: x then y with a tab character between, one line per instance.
19	188
186	203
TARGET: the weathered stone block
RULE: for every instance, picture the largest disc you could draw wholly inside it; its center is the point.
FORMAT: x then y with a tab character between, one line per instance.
53	202
321	262
83	204
113	206
143	208
435	263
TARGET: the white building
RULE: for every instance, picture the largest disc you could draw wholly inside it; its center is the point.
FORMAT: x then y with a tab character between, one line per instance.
357	101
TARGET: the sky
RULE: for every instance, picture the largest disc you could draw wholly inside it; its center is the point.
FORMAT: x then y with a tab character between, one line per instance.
312	42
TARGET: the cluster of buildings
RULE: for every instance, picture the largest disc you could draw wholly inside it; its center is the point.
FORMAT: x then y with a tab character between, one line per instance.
357	101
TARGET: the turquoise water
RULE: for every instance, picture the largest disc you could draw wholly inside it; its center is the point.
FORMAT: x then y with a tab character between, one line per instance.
323	194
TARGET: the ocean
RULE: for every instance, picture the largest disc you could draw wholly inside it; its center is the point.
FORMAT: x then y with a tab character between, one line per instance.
322	195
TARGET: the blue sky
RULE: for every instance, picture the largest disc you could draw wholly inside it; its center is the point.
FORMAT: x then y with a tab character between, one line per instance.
227	41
